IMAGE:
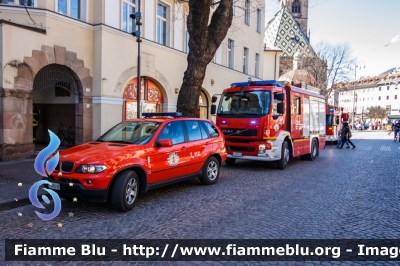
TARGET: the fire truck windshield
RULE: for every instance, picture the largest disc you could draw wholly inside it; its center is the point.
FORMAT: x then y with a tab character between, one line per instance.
252	103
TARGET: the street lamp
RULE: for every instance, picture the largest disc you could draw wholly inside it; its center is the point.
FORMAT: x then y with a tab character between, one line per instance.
354	66
137	17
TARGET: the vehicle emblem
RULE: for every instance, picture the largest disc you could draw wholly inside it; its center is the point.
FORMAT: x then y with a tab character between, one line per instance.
173	159
238	132
276	127
65	156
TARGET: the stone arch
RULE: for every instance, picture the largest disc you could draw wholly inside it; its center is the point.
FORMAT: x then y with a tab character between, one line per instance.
18	78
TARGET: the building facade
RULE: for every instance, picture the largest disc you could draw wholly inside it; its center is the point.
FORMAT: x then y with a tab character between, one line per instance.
76	63
382	90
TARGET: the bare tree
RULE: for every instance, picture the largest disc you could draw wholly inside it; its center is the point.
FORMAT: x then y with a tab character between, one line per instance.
329	66
377	112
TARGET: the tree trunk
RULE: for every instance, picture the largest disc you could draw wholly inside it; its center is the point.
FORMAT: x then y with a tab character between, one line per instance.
204	41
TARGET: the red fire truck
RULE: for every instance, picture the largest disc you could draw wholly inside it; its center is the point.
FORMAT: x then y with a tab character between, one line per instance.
270	121
335	117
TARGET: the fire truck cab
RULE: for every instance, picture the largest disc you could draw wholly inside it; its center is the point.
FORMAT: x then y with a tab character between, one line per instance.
335	117
270	121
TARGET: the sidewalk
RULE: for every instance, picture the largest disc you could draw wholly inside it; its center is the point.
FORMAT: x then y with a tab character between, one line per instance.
16	178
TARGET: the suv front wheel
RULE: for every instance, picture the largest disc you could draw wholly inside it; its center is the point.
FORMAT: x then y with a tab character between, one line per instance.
125	191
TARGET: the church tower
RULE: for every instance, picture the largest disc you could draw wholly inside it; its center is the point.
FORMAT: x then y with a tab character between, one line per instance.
299	9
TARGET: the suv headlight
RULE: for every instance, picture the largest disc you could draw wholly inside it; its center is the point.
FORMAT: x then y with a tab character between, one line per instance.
90	168
261	147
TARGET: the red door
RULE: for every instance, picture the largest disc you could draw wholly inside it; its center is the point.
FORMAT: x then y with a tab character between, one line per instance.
169	162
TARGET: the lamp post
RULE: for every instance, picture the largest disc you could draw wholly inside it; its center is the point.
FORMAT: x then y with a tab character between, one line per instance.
356	65
137	17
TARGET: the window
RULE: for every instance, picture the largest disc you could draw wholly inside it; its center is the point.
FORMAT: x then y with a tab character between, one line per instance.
379	98
247	12
212	131
296	7
231	52
70	8
128	8
296	107
245	60
186	48
395	97
162	24
195	130
172	131
30	3
257	66
387	97
258	20
388	87
379	88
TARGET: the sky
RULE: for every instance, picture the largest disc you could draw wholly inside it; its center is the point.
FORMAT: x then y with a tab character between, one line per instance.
366	25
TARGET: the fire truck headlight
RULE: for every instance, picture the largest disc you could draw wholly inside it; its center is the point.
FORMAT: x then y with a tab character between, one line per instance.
261	147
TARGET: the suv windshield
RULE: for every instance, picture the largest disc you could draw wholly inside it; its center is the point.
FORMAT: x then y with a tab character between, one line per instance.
131	132
253	103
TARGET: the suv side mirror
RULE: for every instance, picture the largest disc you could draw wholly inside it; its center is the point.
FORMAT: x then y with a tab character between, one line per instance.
214	99
164	143
213	109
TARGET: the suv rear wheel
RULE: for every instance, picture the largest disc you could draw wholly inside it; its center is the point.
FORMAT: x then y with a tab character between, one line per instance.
210	171
125	191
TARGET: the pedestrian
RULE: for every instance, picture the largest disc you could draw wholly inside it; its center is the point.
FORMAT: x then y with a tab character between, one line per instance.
376	125
345	136
340	139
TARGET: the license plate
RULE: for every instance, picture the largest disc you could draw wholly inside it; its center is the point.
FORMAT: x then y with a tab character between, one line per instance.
54	186
237	154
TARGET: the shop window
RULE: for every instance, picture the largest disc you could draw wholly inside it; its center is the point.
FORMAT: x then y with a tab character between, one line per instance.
150	96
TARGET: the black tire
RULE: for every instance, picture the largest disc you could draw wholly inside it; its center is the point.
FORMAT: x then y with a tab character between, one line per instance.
314	151
303	157
285	156
210	171
125	191
230	161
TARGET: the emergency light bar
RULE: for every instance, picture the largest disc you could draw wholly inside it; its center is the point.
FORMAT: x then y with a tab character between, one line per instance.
173	114
271	82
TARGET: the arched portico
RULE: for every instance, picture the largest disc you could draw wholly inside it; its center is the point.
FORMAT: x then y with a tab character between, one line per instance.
16	103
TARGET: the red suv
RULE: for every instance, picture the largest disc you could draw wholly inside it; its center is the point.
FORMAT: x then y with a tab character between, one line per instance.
138	155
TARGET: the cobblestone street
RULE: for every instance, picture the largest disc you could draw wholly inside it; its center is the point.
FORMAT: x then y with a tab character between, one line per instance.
343	194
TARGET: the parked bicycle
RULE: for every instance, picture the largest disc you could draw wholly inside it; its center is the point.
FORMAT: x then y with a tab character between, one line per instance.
66	135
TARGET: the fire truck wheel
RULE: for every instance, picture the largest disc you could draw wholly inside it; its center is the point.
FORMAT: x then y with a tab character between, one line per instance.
314	151
210	171
285	155
125	191
230	161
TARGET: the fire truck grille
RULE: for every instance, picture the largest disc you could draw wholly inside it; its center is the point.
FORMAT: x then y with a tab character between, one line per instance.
239	132
67	166
237	148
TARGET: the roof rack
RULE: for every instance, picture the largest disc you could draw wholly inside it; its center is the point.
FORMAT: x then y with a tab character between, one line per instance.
173	114
271	82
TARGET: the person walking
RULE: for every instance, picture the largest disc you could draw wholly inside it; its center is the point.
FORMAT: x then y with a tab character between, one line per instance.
340	139
345	136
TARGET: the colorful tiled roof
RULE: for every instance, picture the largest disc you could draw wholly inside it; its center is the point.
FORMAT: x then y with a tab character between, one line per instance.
284	32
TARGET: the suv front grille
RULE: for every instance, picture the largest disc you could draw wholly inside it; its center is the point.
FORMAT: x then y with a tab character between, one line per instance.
67	166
